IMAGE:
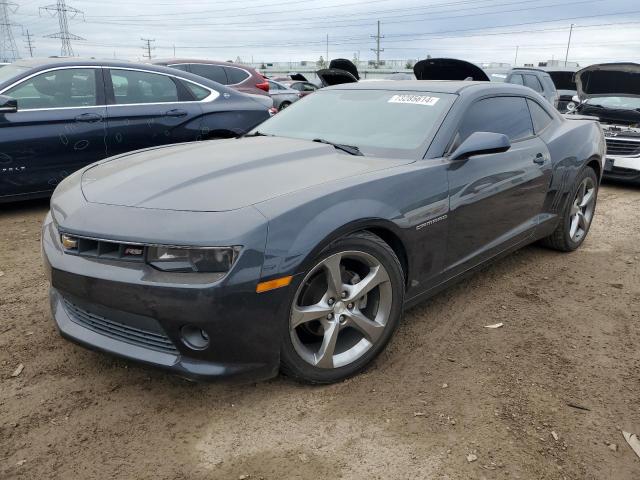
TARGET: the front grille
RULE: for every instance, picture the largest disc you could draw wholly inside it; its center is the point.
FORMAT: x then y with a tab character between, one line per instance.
104	249
629	148
119	331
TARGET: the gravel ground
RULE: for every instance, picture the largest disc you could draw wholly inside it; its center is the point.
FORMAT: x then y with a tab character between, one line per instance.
446	391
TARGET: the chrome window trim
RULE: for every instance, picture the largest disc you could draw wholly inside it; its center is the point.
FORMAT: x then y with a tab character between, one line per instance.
216	65
213	95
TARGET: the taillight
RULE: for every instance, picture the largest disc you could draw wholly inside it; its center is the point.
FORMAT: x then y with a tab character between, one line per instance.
273	111
263	86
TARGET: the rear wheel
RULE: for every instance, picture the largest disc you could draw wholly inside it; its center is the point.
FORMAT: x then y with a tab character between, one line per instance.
578	214
284	105
344	311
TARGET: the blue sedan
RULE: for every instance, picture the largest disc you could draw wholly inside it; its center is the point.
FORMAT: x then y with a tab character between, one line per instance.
59	115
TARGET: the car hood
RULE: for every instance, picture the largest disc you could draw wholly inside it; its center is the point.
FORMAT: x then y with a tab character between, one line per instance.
608	79
448	69
221	175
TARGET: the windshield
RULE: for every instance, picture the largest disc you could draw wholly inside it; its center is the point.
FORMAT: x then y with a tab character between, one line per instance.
378	122
563	80
9	71
623	103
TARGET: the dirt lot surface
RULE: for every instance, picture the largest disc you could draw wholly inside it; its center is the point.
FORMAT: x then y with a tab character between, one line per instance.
445	389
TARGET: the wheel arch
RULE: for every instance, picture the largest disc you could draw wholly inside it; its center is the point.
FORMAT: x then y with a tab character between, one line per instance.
595	162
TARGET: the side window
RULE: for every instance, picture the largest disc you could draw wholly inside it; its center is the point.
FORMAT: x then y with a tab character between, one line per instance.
507	115
539	116
297	86
199	93
517	79
274	86
181	66
212	72
236	75
73	87
130	86
309	87
531	81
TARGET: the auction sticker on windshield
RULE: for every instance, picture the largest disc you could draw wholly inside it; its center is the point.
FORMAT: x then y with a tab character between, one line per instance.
414	100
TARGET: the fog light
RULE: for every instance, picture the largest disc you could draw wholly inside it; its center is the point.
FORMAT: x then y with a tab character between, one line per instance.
194	337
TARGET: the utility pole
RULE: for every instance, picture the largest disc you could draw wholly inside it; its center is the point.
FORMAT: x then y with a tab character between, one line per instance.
148	48
61	10
566	57
515	62
327	58
378	49
29	42
8	47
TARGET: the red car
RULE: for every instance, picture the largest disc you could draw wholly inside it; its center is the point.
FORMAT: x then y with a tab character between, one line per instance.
240	77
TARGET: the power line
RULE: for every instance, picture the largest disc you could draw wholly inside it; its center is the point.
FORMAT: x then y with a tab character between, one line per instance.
60	10
148	48
8	47
29	42
377	50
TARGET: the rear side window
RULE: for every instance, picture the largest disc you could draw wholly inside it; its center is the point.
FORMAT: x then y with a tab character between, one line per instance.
296	86
308	87
132	87
73	87
199	93
541	119
236	75
532	81
507	115
517	79
212	72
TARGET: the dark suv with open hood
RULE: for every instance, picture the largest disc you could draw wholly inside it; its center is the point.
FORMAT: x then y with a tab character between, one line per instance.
611	92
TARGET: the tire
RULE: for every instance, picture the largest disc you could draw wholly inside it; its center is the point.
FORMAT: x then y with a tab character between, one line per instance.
331	335
566	238
284	105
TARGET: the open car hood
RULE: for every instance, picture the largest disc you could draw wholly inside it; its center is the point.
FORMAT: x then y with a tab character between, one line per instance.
608	79
340	71
448	69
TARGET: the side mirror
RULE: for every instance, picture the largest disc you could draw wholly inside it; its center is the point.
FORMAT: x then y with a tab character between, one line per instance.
481	143
8	104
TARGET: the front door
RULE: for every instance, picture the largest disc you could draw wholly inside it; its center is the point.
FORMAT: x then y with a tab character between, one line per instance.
495	199
60	127
146	109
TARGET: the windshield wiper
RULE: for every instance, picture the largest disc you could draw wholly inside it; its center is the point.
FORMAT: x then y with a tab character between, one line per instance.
350	149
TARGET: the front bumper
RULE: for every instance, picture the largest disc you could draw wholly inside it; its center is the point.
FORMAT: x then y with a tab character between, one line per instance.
622	168
132	311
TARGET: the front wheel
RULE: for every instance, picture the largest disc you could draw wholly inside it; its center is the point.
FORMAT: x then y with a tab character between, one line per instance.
344	311
577	215
284	105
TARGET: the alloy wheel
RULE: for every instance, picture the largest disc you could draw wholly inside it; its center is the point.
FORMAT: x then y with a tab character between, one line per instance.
341	309
582	210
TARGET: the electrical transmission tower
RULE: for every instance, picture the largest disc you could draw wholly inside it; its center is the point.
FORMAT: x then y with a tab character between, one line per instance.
8	47
61	10
29	42
378	37
148	48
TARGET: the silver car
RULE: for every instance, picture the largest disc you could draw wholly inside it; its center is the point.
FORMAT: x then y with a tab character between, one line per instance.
282	95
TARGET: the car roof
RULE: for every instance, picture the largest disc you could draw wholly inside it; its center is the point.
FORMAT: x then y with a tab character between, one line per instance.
165	61
434	86
72	61
527	69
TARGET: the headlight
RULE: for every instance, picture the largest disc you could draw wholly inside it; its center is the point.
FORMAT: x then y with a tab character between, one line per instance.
187	259
571	106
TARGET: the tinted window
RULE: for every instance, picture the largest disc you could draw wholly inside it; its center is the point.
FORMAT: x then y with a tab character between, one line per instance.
296	86
182	66
274	86
532	82
212	72
507	115
199	93
539	116
130	86
517	79
236	75
74	87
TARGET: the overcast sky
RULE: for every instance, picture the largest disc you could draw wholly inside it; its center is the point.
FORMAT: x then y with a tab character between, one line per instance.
272	30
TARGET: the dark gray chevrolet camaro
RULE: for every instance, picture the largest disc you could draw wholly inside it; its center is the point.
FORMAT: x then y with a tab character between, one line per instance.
297	247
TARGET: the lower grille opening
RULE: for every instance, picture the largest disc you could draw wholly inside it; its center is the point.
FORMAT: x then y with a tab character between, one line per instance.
120	331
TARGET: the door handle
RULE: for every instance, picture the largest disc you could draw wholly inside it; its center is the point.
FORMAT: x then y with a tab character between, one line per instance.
89	118
539	160
176	113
